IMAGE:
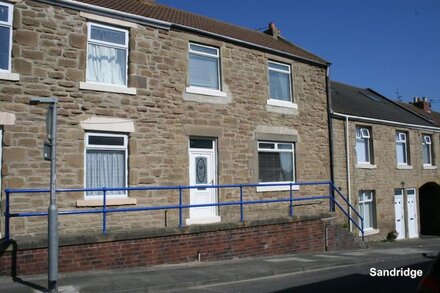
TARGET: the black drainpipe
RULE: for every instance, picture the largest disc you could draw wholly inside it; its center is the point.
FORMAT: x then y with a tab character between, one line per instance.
330	128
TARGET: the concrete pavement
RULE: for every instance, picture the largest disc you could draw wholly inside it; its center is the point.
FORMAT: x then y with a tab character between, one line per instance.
172	277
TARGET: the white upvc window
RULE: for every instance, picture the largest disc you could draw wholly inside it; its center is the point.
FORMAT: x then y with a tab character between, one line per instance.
367	209
105	162
204	67
6	12
363	145
280	83
276	162
402	154
427	149
107	55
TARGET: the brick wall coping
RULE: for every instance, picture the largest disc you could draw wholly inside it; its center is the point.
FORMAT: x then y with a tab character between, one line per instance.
33	242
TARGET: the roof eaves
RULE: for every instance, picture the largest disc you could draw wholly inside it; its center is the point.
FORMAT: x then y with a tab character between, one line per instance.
109	12
181	26
72	4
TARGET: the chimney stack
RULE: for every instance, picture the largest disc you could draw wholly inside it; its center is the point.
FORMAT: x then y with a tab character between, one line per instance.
273	31
422	103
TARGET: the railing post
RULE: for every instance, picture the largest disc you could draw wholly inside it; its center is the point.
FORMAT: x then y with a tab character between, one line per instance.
180	206
291	201
362	226
241	203
331	193
7	214
104	211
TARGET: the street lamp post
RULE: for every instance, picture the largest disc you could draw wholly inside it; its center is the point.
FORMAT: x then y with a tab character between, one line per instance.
50	155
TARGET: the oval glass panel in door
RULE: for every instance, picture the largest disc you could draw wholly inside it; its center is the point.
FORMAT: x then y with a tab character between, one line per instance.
201	170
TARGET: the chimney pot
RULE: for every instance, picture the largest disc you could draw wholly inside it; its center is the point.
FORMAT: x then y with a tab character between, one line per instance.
273	30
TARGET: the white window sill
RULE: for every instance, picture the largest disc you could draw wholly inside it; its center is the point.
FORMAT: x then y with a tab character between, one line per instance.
205	91
108	202
404	167
365	166
370	231
276	188
107	88
9	76
279	103
429	167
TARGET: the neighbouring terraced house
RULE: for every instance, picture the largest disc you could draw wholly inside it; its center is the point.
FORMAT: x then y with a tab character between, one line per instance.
386	161
154	96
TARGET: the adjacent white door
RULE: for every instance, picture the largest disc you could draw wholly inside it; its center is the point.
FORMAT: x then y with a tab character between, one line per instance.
202	171
399	213
413	231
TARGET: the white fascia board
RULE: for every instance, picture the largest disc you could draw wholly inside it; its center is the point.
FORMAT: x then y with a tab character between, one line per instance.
374	120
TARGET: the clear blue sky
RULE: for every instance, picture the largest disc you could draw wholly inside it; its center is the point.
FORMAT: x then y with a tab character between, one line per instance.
385	45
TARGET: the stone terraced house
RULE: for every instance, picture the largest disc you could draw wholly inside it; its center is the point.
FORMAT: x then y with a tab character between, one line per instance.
386	161
154	96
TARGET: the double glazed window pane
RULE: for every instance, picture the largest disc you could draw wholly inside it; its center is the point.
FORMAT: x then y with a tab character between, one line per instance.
401	152
426	151
105	168
4	13
362	150
107	65
367	213
203	71
4	47
279	84
107	35
275	166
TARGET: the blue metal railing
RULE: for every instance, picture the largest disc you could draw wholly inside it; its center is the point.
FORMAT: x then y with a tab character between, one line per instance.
180	206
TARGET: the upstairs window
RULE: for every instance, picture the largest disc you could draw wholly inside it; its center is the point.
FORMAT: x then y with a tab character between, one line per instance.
363	145
5	36
276	162
107	55
427	149
105	163
401	148
204	67
280	81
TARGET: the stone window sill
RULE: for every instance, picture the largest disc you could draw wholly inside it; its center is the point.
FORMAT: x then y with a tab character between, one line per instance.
404	167
205	91
107	88
109	202
200	221
365	166
276	188
281	107
9	76
370	231
429	167
279	103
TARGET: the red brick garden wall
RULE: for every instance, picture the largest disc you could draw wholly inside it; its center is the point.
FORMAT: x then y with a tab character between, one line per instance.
247	241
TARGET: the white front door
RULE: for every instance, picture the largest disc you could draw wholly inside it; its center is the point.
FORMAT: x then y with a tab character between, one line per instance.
202	171
413	231
399	213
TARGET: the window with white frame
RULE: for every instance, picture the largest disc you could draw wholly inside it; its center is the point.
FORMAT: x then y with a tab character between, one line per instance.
276	162
427	149
402	154
367	208
107	55
6	11
105	162
204	67
363	145
280	81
